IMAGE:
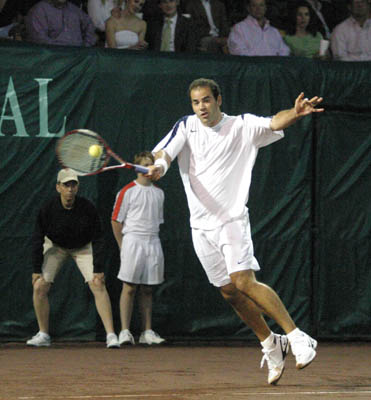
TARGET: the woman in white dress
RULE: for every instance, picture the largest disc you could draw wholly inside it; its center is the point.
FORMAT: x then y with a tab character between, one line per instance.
128	30
101	10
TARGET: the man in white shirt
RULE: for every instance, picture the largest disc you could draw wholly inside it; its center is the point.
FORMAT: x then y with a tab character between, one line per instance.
351	39
216	155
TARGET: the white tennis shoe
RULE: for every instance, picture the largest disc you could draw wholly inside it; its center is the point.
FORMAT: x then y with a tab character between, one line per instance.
150	337
112	341
275	358
41	339
126	337
303	347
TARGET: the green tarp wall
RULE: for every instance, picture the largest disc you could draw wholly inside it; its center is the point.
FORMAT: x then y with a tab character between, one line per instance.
309	203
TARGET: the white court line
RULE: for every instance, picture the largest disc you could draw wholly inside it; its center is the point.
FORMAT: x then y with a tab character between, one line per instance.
139	395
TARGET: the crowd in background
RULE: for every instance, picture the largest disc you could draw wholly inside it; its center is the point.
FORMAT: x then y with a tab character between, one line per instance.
328	29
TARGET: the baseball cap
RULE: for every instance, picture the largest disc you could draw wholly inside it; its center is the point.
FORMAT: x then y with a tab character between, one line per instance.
66	175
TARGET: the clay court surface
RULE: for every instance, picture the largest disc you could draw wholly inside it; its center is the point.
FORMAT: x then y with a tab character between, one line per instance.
89	371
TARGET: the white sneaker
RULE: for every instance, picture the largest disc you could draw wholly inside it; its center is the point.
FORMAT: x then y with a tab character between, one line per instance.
126	337
150	337
39	340
112	341
276	358
303	348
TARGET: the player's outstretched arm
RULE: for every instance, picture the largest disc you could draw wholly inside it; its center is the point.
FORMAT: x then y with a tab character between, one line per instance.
302	107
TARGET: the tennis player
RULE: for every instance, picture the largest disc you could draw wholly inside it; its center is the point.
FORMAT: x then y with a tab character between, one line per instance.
68	226
136	219
216	154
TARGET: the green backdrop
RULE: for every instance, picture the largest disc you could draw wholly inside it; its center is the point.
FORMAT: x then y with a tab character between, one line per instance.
309	203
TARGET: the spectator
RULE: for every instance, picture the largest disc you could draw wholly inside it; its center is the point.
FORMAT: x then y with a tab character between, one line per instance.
136	219
211	24
174	32
59	22
302	35
128	30
68	226
351	39
101	10
254	36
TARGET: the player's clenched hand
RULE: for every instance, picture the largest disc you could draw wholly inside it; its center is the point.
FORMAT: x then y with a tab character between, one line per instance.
304	106
155	172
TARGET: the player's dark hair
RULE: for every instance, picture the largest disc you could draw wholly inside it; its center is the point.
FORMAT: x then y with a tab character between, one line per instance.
143	154
203	82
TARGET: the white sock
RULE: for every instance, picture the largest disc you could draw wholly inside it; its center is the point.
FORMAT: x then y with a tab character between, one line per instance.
46	335
268	343
293	334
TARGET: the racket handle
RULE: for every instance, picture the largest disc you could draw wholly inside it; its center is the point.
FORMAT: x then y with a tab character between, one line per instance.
141	169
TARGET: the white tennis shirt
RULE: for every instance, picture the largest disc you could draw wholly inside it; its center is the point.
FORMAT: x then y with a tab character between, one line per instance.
139	208
216	164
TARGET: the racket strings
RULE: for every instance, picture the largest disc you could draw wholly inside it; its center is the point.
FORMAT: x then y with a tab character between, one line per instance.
73	152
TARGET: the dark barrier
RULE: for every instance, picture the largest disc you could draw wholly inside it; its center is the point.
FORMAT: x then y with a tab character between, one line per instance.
309	202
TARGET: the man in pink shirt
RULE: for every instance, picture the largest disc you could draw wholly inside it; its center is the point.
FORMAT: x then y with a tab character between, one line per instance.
351	39
254	36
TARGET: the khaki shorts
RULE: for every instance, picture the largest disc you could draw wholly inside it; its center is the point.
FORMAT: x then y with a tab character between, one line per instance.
225	250
55	256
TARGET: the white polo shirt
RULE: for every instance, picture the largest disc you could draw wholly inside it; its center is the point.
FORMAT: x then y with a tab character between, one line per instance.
216	164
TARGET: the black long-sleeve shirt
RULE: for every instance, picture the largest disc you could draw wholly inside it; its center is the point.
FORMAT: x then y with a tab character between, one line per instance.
70	229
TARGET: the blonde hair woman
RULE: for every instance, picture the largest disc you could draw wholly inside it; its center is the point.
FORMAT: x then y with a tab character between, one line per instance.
128	30
101	10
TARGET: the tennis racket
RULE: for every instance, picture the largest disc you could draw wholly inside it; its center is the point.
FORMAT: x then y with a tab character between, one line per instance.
87	153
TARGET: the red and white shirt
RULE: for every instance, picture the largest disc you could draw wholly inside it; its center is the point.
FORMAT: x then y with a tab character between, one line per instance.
139	208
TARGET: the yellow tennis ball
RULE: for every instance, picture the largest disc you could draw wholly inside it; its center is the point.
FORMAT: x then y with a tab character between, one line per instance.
95	150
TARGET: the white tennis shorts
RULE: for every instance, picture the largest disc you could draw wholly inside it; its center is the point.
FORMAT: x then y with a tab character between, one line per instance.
142	259
55	256
225	250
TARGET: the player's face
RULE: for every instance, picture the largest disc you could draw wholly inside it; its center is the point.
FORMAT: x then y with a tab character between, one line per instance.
205	106
68	191
168	7
302	17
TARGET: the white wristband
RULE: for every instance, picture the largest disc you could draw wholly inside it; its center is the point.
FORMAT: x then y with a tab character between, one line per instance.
163	163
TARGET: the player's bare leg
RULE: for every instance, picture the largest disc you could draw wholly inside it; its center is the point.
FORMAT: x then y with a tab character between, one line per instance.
41	303
247	310
302	345
265	297
275	347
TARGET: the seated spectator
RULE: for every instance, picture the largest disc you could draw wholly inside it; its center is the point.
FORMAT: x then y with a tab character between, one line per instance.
254	36
100	10
302	35
351	39
128	30
211	24
174	32
59	22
